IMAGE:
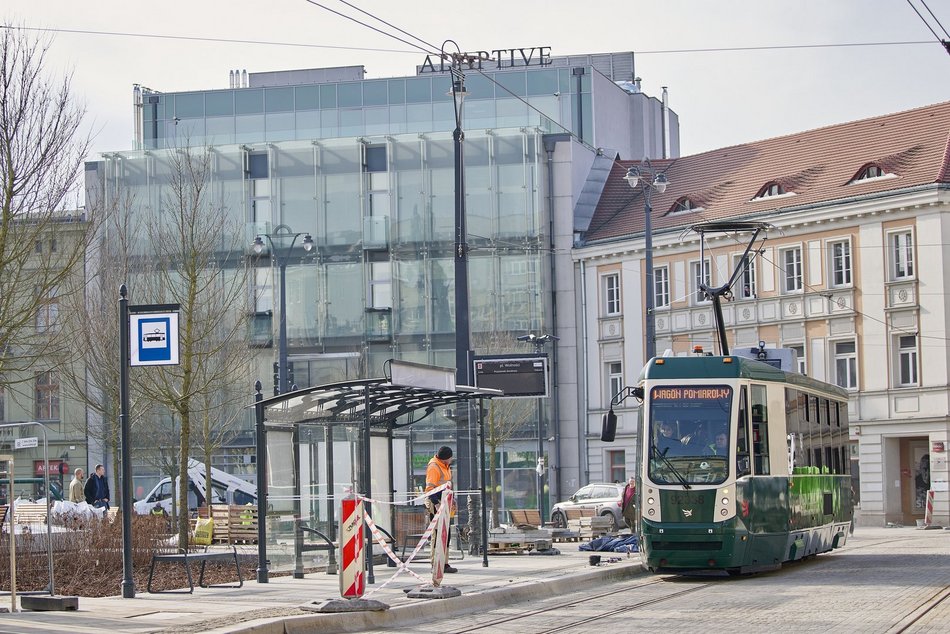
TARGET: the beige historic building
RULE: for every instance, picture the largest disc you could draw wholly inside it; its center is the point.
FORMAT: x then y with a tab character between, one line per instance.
852	276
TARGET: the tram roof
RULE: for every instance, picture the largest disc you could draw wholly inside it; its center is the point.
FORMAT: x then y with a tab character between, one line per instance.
712	367
347	401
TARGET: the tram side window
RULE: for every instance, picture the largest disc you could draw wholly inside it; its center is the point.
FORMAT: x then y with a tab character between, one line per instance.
743	467
760	434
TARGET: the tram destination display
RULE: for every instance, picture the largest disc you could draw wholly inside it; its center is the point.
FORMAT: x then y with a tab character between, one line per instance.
516	376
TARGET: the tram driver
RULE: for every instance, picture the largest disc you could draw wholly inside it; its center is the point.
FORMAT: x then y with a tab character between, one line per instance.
666	441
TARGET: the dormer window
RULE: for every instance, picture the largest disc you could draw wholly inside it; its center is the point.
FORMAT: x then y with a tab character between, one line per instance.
870	172
771	189
683	205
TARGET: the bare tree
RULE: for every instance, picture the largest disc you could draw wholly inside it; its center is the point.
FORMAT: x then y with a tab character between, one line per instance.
199	251
41	245
505	416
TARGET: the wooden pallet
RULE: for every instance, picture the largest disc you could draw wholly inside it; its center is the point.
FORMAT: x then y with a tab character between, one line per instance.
242	524
220	516
509	547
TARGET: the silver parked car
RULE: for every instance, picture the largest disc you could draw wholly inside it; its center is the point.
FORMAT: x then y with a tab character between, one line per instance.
603	498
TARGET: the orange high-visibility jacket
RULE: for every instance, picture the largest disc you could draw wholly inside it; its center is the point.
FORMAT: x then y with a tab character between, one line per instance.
437	473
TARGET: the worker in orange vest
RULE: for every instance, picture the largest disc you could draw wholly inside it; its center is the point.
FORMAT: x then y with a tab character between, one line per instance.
438	472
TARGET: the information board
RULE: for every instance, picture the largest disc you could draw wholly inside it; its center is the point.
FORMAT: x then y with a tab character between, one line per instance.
516	376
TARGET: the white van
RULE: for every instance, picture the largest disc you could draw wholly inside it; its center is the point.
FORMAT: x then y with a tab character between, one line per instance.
225	489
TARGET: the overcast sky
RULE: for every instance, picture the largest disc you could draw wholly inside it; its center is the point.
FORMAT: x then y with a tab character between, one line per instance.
722	98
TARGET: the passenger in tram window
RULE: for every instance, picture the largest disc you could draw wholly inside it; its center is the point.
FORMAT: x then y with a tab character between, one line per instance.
720	446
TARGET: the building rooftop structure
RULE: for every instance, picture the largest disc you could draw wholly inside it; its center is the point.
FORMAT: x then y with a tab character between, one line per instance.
860	159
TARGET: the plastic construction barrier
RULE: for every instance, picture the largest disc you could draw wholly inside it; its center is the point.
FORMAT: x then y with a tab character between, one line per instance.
353	573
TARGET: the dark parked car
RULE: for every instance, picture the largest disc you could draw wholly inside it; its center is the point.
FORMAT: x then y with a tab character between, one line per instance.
603	498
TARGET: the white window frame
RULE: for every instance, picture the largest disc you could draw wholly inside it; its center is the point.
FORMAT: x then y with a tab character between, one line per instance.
907	360
610	286
747	278
900	247
613	379
840	265
849	359
661	286
797	272
694	275
799	358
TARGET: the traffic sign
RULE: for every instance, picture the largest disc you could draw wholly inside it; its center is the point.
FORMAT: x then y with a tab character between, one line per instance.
154	339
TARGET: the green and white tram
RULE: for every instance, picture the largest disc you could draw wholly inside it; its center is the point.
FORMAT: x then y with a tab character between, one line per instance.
741	466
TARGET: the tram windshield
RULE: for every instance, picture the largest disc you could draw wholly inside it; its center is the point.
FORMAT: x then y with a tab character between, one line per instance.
689	434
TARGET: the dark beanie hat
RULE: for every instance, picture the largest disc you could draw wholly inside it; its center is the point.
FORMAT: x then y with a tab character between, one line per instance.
444	453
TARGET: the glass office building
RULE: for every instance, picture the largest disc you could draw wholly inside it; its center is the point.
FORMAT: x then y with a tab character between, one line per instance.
366	167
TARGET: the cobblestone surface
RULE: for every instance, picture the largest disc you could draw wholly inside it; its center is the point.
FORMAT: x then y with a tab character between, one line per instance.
882	581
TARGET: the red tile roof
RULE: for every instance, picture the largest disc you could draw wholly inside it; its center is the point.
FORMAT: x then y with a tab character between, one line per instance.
817	165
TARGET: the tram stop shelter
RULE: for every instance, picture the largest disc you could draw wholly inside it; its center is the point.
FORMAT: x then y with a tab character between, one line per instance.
316	445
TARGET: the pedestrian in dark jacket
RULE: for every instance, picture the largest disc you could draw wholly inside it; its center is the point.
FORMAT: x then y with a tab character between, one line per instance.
97	488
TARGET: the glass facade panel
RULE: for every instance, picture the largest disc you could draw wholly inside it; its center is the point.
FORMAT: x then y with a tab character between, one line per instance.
219	103
375	93
511	113
344	284
249	101
351	122
512	83
478	87
307	97
279	99
308	125
397	91
249	128
328	96
280	126
349	95
543	82
191	104
219	130
376	120
418	90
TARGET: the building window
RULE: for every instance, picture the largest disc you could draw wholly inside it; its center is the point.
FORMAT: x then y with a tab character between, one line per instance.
47	311
614	379
47	396
846	365
661	287
840	253
769	190
799	358
700	275
381	285
902	255
683	205
868	172
792	269
746	287
907	360
611	294
617	465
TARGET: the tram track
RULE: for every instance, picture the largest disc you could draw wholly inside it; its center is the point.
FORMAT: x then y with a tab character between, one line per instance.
587	600
915	615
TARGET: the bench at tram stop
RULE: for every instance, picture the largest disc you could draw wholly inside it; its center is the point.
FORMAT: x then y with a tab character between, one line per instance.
187	558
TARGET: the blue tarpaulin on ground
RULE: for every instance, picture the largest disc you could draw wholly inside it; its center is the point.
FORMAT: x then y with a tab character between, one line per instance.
623	544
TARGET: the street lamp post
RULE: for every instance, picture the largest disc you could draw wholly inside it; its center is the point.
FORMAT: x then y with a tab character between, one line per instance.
463	364
648	178
539	341
282	232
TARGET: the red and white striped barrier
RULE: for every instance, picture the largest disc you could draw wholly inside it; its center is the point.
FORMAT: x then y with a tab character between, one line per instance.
929	510
352	575
440	554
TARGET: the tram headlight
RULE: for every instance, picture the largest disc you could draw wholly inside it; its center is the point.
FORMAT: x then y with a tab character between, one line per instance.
651	501
725	501
651	512
724	512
